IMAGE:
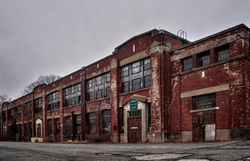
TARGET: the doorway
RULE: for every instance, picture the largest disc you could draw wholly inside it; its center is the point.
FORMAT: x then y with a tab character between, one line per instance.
134	130
204	126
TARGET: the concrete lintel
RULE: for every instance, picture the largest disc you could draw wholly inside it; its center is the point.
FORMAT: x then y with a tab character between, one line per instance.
208	46
135	57
205	109
214	89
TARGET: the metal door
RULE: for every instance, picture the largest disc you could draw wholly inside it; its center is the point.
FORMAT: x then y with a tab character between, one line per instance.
204	126
134	130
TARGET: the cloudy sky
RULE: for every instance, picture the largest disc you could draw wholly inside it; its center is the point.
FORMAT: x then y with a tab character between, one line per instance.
42	37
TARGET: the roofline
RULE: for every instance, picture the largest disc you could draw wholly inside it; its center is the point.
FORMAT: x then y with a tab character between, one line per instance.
213	35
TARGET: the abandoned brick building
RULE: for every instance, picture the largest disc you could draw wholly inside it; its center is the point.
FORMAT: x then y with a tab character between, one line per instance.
154	87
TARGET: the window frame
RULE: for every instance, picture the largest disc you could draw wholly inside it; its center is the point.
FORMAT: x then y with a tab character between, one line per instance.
204	101
98	87
187	64
91	123
106	122
53	100
137	71
203	58
38	105
222	53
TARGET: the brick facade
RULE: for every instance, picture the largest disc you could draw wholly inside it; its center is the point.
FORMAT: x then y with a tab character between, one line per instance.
182	91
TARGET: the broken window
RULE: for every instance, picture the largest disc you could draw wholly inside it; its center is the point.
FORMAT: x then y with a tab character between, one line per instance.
27	109
204	59
204	101
135	76
10	114
67	127
58	126
187	64
98	87
18	111
222	53
53	101
50	126
91	123
106	122
72	95
39	105
78	124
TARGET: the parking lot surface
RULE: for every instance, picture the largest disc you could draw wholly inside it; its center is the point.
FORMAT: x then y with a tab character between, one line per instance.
235	150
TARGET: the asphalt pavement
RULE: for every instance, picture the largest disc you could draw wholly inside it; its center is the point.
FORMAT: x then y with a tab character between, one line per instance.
234	150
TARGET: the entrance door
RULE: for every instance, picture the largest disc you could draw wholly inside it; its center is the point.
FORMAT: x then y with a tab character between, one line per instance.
38	130
198	127
204	126
134	130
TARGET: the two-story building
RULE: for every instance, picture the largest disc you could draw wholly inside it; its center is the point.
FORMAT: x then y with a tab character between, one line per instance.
155	87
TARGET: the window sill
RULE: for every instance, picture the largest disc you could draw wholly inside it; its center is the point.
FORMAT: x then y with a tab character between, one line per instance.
98	99
143	89
204	110
65	107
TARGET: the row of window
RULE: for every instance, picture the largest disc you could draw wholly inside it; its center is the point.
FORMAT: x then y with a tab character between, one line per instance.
76	121
106	122
203	59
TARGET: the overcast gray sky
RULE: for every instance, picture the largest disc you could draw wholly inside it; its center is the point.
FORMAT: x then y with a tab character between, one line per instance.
42	37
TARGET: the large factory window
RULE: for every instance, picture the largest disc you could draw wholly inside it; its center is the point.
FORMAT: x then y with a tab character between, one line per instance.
98	87
39	105
53	101
136	76
72	95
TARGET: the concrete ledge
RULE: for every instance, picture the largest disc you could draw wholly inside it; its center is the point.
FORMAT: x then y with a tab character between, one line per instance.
36	139
186	136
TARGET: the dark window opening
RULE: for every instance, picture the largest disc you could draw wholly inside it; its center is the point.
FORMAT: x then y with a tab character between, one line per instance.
149	117
27	109
58	126
222	53
204	59
18	111
204	101
50	126
67	127
136	113
39	105
187	64
106	122
91	123
78	124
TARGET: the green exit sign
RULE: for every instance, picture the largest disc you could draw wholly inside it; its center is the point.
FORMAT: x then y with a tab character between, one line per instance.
133	106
